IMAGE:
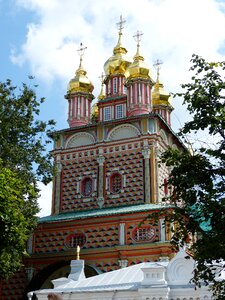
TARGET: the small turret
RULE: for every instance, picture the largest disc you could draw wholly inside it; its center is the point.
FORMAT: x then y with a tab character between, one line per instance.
160	98
138	83
79	95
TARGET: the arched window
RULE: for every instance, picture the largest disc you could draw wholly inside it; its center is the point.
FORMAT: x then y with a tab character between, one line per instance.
74	240
116	183
86	187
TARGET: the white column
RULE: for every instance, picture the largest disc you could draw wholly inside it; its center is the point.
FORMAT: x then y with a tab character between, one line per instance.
162	230
122	234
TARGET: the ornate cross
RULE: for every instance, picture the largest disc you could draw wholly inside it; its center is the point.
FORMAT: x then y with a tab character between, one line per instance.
157	65
120	24
81	50
138	36
102	77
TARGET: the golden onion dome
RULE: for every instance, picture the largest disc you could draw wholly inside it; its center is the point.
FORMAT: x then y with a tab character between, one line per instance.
80	82
119	61
101	96
159	95
94	112
138	69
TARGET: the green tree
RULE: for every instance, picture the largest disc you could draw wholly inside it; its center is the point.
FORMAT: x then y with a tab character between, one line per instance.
24	160
197	179
17	219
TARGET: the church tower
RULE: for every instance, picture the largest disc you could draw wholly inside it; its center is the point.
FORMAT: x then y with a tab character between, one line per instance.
109	177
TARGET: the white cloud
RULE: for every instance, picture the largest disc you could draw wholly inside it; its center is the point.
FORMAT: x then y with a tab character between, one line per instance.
173	30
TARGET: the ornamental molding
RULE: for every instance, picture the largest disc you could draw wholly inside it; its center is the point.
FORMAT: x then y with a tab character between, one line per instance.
123	132
180	269
80	139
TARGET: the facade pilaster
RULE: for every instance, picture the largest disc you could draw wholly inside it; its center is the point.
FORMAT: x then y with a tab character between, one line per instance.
100	160
146	154
57	187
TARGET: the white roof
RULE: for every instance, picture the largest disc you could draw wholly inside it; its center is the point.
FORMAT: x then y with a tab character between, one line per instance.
126	278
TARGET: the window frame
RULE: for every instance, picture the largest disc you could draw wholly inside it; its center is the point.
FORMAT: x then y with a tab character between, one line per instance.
107	116
117	190
115	85
83	188
121	112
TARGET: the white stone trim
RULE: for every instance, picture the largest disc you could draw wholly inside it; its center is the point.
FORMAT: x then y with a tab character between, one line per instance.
123	132
80	139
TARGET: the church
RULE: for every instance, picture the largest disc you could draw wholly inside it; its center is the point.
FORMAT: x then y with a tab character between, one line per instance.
109	178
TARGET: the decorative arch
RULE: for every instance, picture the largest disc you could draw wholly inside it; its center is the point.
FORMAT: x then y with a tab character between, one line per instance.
80	139
123	132
43	278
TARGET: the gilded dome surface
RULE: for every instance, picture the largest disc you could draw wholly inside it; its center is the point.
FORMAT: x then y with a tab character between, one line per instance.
137	69
80	82
159	95
94	111
119	61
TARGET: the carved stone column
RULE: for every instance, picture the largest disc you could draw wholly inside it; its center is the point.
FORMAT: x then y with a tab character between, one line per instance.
101	160
146	154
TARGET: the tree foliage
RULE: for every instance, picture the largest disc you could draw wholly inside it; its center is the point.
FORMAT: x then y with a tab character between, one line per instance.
197	178
23	162
17	210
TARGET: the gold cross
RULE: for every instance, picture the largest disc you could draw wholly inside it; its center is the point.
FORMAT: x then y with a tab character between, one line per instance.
81	50
157	65
102	77
121	23
138	36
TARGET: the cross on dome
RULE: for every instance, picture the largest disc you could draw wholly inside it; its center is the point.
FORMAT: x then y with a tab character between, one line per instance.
102	77
81	53
120	24
157	66
81	50
138	36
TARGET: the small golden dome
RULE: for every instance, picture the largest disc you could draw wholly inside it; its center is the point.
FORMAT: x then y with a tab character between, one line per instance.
80	82
119	61
94	112
101	96
138	69
159	95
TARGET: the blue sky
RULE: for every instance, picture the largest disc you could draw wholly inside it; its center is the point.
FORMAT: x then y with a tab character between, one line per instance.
40	38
